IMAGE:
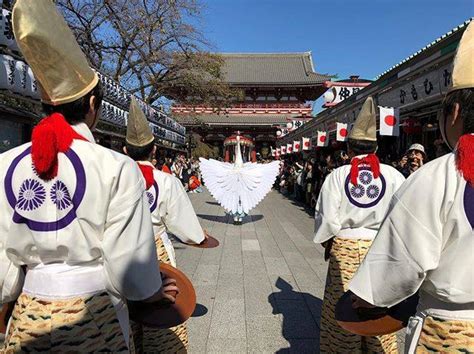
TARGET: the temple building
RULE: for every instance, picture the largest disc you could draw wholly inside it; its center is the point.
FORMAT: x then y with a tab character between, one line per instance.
277	92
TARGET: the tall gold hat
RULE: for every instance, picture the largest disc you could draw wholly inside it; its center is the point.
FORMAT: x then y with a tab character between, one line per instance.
365	125
463	70
49	47
138	130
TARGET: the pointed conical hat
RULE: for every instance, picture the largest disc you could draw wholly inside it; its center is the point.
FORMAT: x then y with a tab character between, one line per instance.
365	126
138	130
463	70
50	49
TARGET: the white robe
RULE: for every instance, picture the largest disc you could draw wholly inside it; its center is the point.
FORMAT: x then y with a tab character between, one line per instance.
172	211
92	213
354	212
426	241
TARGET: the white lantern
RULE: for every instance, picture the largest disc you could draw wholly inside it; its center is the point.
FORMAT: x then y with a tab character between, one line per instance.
278	133
6	30
289	125
8	73
329	96
21	72
32	89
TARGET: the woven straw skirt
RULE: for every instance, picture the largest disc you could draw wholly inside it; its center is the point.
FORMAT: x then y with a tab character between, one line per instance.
152	340
345	258
77	325
441	335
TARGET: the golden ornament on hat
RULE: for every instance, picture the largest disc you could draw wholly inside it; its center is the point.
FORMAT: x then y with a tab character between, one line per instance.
50	49
463	70
365	125
138	129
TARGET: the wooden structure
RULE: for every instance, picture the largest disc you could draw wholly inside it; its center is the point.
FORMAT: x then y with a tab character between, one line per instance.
276	90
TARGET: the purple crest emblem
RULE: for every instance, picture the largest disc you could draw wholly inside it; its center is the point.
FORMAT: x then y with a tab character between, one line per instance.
60	195
469	203
369	192
31	196
152	196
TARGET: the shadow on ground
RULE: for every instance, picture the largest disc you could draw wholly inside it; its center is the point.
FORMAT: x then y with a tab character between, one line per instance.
227	219
212	203
301	313
199	311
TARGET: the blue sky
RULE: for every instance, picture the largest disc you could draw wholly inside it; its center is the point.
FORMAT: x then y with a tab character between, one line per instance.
361	37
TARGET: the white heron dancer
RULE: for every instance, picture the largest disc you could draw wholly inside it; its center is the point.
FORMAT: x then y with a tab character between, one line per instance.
238	186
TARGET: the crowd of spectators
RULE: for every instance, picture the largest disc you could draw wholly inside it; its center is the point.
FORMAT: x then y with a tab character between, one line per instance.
302	178
183	168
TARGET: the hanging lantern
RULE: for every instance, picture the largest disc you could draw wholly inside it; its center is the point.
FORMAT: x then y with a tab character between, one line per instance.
289	125
278	133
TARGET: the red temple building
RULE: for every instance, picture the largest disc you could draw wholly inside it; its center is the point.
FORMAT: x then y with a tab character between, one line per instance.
278	89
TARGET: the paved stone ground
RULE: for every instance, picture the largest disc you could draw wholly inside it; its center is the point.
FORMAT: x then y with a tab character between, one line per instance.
261	290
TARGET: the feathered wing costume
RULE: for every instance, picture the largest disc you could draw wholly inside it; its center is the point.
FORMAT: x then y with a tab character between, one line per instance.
240	186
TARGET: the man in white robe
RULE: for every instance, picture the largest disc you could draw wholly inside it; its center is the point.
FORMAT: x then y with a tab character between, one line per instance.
351	206
73	213
426	242
171	210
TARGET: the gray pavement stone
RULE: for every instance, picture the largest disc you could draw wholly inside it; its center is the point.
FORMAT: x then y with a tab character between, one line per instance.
227	345
266	345
250	245
263	326
261	290
276	266
228	319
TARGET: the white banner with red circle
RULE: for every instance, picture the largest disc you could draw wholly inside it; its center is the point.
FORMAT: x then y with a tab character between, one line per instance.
306	143
296	146
389	121
322	139
342	132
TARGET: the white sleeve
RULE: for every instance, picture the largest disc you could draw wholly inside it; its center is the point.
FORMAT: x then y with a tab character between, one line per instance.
327	223
407	246
180	218
128	245
11	275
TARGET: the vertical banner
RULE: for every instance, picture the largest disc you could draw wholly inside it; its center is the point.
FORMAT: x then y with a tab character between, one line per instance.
322	139
389	121
283	150
289	148
306	143
296	146
342	132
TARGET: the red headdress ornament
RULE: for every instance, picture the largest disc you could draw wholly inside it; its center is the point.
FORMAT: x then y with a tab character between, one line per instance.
465	157
50	137
372	160
147	172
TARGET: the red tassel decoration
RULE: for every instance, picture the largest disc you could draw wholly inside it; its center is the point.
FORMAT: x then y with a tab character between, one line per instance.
465	157
147	172
372	160
50	137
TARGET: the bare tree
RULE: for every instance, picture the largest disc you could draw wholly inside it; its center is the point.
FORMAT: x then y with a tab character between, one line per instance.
152	47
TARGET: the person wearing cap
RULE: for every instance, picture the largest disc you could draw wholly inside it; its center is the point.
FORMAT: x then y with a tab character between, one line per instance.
351	206
74	217
172	211
416	157
426	245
